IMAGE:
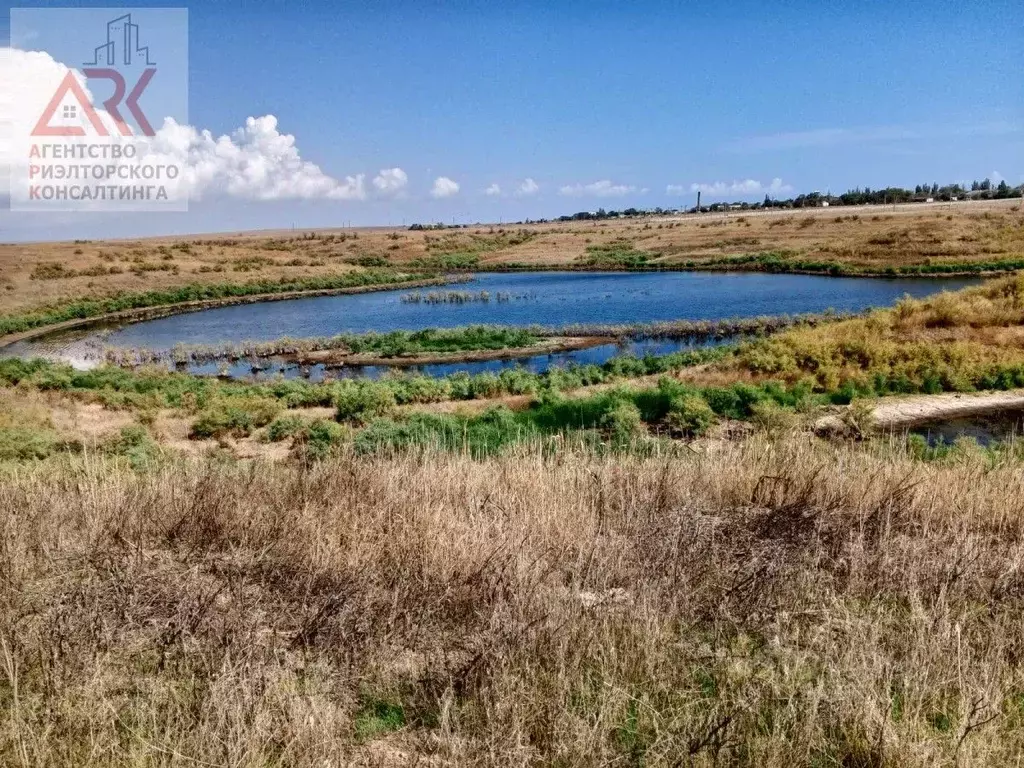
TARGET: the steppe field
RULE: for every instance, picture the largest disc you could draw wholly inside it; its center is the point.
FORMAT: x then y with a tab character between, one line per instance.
935	238
740	554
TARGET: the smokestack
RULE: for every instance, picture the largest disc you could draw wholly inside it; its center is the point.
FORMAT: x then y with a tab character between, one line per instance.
698	201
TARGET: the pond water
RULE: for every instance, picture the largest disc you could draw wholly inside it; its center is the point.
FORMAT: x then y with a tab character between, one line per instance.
544	298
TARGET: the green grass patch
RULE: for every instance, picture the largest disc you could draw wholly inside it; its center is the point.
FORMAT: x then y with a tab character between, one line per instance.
472	338
615	256
448	261
27	443
377	717
157	387
621	418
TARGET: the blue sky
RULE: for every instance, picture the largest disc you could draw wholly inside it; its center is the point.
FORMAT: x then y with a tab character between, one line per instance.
599	104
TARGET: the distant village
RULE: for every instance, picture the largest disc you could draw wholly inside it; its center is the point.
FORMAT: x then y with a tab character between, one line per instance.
922	193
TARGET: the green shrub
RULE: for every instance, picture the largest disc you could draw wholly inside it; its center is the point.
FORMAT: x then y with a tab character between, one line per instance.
618	255
235	416
772	418
24	443
689	415
283	427
319	439
134	443
623	422
360	402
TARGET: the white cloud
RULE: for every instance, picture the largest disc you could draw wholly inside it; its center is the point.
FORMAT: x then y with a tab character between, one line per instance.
444	187
255	162
27	81
493	191
740	188
390	181
675	190
527	188
603	188
995	177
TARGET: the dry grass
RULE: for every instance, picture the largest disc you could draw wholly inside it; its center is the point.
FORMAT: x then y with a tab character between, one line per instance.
955	337
766	603
869	237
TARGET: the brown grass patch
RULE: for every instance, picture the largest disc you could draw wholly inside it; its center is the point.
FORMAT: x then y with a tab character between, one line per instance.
779	603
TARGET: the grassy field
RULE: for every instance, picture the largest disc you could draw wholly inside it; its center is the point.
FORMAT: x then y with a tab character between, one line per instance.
772	602
649	562
911	239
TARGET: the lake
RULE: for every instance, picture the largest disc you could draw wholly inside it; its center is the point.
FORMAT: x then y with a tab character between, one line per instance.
543	298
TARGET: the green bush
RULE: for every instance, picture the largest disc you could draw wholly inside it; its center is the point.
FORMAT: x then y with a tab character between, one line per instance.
618	255
283	427
134	443
319	439
235	416
623	423
23	443
689	415
360	402
772	418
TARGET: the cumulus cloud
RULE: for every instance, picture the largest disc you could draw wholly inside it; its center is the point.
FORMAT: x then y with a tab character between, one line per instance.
257	161
603	188
444	187
390	181
744	187
493	191
527	188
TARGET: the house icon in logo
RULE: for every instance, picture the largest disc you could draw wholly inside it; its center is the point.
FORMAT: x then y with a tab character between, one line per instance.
122	45
121	49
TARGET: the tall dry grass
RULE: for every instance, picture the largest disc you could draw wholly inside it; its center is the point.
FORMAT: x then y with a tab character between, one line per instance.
766	603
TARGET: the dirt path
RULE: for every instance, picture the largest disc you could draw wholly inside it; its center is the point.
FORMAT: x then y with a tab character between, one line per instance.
919	409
